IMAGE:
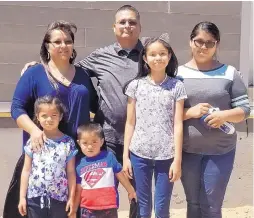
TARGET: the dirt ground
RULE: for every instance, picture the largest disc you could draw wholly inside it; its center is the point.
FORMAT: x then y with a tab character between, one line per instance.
238	212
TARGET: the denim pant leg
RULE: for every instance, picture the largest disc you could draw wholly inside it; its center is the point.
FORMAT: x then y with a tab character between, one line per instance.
215	176
34	209
57	209
163	188
143	173
191	174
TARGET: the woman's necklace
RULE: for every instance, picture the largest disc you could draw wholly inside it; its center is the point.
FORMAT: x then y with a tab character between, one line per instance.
61	78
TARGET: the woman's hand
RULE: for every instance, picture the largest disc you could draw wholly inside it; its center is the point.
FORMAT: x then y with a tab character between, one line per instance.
37	138
199	110
127	168
175	171
22	207
216	119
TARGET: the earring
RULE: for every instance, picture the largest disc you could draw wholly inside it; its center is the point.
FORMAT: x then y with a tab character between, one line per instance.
215	57
48	56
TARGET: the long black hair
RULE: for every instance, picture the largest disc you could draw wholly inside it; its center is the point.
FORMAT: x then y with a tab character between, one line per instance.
208	27
144	69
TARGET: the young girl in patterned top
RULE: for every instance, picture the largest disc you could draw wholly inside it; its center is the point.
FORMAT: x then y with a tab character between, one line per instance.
153	131
48	178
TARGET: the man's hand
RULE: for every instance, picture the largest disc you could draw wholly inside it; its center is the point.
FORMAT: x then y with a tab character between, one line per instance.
27	65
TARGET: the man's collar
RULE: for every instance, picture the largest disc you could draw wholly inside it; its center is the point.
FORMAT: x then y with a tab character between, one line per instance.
138	47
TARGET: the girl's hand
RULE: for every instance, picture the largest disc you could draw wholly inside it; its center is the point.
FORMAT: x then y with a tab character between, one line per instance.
132	196
199	110
70	207
127	168
22	207
216	119
175	171
38	138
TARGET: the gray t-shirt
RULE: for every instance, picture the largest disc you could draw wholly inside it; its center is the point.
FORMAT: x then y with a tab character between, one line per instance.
153	136
222	88
113	67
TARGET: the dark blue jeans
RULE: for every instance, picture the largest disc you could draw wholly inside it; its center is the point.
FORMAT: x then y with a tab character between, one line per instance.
51	208
107	213
205	179
143	172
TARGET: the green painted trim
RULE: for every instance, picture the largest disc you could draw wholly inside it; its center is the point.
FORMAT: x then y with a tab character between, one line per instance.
5	114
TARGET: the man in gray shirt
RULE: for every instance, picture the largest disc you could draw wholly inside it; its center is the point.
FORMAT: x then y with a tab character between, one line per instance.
113	66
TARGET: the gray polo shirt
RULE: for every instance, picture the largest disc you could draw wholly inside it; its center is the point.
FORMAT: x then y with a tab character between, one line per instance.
113	67
222	88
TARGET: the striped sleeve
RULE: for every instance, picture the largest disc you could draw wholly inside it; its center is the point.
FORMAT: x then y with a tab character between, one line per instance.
180	91
238	93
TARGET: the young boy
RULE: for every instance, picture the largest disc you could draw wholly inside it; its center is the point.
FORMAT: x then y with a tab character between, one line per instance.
97	175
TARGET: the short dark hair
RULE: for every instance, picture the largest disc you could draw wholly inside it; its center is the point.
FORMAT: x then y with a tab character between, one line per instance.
129	8
91	127
208	27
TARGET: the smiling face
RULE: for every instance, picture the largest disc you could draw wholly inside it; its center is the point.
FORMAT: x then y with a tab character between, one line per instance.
203	47
90	143
60	46
49	117
157	56
127	26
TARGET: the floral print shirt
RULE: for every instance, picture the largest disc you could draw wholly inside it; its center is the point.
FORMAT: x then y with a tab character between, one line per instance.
153	136
48	174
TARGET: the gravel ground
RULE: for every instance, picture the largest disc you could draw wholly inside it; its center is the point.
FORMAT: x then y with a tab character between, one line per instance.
238	212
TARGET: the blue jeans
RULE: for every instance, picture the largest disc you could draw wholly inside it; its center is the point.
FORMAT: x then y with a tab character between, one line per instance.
51	209
143	172
205	179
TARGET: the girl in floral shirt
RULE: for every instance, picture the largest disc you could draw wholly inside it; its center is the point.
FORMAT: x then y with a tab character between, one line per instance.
48	178
154	126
